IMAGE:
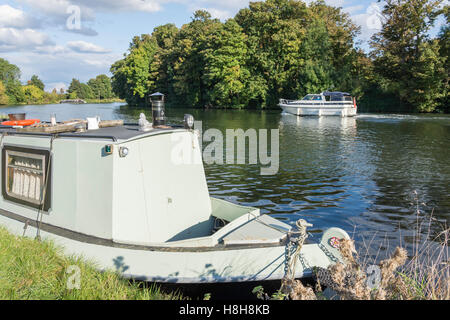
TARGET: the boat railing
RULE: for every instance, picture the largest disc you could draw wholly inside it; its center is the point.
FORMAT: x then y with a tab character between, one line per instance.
286	101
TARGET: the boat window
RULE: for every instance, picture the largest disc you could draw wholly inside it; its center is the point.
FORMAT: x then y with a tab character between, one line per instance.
348	98
313	97
336	98
24	176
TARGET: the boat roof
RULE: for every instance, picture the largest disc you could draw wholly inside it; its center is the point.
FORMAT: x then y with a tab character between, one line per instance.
335	93
116	133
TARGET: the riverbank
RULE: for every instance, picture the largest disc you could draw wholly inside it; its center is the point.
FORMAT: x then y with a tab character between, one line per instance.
30	269
97	101
88	101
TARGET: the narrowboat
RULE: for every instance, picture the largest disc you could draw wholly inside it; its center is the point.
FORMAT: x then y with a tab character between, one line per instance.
134	198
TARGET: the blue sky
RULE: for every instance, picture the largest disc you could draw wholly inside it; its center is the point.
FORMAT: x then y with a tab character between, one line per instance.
63	39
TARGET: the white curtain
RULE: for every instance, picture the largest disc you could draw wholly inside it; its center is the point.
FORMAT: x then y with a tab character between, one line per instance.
27	183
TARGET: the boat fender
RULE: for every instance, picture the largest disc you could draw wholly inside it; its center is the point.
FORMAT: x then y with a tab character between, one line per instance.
330	243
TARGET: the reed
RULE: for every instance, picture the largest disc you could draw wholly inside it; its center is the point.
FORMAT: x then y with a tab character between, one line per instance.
37	270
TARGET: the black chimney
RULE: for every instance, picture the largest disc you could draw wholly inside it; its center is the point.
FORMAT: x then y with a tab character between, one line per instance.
158	112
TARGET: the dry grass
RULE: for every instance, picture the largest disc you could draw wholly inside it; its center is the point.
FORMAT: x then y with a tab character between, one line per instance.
423	275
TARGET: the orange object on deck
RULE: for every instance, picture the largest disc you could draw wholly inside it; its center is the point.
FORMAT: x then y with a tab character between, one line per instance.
24	123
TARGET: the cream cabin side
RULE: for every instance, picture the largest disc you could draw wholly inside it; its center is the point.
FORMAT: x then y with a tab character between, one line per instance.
78	188
160	192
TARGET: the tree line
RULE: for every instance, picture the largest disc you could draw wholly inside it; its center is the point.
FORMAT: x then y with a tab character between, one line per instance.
286	49
97	88
13	92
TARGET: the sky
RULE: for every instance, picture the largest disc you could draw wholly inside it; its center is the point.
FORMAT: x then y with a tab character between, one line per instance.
63	39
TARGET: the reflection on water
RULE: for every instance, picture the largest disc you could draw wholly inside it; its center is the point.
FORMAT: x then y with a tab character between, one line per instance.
359	173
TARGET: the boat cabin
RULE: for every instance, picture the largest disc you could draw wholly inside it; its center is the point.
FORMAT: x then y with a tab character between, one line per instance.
314	97
337	96
329	97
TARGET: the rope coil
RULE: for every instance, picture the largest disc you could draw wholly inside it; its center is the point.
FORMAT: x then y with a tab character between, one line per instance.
296	240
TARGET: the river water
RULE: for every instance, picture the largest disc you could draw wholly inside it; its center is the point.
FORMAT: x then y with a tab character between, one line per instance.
369	175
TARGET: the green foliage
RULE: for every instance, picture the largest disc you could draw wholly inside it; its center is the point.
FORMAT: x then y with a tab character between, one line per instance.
101	87
275	30
405	58
285	49
12	92
74	87
8	72
444	45
32	94
189	67
80	90
35	81
136	75
4	99
273	49
226	75
10	76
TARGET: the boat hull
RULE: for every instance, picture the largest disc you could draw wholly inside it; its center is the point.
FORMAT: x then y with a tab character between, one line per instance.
200	265
347	110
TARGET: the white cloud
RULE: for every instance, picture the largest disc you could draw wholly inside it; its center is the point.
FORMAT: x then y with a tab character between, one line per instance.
370	21
57	9
353	9
55	85
219	14
57	70
121	5
12	39
85	47
101	63
14	18
62	12
51	49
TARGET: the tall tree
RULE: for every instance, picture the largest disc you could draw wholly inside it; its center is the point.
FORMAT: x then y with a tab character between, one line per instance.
101	87
337	32
193	40
275	29
4	99
75	86
405	57
138	71
35	81
166	37
10	76
33	94
226	76
444	44
316	73
79	90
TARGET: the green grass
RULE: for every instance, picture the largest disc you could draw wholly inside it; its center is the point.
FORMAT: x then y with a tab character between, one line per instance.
30	269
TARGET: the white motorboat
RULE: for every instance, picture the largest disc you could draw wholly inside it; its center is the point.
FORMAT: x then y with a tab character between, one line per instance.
121	197
325	104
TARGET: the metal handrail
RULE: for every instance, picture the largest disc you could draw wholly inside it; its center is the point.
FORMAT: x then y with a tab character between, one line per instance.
61	135
286	101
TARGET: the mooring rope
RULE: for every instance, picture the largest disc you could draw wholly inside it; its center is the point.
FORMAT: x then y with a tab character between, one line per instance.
297	239
44	191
